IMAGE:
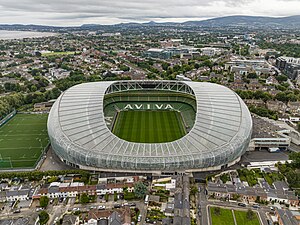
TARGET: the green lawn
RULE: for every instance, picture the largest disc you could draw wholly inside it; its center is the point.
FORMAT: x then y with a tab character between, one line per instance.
57	53
225	217
22	140
241	218
149	126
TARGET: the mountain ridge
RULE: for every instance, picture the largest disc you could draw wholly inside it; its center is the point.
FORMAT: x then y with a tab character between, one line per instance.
226	21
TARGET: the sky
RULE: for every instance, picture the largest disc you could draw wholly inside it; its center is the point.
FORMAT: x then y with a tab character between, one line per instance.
77	12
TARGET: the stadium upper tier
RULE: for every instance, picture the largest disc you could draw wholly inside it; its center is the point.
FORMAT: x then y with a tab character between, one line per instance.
80	137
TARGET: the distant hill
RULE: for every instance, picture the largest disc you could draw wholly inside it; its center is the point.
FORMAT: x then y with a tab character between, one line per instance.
292	22
249	21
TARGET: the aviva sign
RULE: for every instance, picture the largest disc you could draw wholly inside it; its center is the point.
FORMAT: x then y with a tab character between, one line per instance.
148	107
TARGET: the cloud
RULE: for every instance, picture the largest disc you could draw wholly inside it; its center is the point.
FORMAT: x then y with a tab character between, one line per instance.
76	12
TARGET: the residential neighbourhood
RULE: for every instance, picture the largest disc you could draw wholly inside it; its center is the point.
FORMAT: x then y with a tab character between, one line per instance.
64	161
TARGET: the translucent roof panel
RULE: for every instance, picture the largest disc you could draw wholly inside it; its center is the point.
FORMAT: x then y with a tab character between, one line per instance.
79	134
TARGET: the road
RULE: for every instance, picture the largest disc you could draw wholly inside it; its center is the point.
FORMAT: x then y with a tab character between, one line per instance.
202	212
7	214
56	212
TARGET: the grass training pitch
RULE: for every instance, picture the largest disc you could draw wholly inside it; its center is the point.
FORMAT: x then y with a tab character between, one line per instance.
241	218
22	140
149	126
224	218
57	53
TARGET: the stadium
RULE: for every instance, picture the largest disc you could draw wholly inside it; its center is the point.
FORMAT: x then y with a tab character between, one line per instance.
149	126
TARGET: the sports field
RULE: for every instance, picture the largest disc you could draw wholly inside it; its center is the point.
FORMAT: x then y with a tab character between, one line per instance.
22	140
57	53
149	126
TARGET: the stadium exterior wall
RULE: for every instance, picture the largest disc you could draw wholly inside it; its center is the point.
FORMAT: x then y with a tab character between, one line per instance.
80	137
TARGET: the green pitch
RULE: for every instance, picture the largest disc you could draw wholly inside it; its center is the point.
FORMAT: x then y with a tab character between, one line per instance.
22	140
149	126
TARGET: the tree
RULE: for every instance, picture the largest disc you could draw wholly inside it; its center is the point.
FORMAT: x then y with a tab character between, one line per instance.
1	90
281	78
194	190
84	198
44	200
217	211
295	157
140	190
225	177
44	217
115	196
33	88
106	197
250	214
52	179
252	76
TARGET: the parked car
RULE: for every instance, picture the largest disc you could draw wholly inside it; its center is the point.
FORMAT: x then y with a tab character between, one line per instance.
256	206
101	207
139	218
117	206
241	204
132	204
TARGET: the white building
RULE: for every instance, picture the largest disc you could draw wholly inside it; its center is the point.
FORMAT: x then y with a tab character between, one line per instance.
211	51
17	194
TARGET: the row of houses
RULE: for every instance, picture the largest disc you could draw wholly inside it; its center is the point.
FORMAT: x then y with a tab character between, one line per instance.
63	190
108	217
15	193
279	193
100	217
278	106
286	217
67	188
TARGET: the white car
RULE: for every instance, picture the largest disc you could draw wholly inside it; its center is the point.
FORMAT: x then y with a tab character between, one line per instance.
139	218
101	207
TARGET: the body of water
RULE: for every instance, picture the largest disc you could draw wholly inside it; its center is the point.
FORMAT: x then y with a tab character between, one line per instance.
6	35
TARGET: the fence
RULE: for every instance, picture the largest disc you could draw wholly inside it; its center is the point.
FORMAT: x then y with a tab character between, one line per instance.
8	118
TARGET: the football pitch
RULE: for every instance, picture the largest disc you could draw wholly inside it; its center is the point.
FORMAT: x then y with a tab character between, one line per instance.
149	126
22	140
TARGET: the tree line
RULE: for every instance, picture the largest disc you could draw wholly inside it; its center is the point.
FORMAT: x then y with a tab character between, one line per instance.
16	100
284	96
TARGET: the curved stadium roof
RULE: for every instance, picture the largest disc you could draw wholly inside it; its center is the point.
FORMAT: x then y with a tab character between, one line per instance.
80	136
